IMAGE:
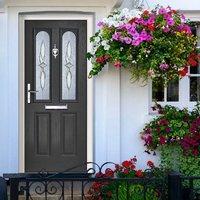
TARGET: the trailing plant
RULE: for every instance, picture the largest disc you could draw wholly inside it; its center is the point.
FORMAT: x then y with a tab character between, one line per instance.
174	158
170	127
175	133
174	126
157	44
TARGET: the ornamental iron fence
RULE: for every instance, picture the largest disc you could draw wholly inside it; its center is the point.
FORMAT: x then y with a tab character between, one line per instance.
91	186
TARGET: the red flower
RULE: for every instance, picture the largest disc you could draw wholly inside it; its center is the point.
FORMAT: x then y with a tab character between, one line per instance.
151	27
132	167
174	11
150	164
163	122
127	164
146	13
126	171
162	140
195	152
100	60
139	173
99	175
109	173
117	64
193	60
132	20
183	72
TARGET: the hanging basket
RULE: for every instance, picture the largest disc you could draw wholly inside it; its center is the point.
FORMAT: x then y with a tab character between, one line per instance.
158	44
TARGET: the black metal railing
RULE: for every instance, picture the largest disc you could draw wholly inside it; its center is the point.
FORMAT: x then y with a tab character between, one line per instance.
121	189
183	187
86	186
93	186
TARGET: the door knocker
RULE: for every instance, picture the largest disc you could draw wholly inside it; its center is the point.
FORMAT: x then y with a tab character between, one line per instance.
55	51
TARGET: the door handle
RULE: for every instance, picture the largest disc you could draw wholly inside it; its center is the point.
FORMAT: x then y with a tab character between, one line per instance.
56	107
29	92
33	91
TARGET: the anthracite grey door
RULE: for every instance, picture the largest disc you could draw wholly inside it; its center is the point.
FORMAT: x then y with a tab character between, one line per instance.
56	95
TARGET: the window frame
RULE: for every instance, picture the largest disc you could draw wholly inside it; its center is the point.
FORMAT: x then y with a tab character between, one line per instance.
184	83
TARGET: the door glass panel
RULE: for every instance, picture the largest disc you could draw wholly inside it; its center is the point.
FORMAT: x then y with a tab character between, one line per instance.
68	66
42	65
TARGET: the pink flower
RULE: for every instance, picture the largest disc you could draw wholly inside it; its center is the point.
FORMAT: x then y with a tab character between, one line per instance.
164	66
162	11
167	16
116	36
183	18
143	35
128	26
151	73
136	42
184	28
135	35
151	20
127	40
132	32
149	38
100	24
166	29
147	138
170	22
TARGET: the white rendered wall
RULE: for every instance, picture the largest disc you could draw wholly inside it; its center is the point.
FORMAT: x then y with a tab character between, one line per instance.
120	107
176	4
4	70
134	99
106	89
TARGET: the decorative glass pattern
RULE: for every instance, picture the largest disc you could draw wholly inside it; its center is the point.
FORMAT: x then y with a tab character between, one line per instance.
42	65
69	66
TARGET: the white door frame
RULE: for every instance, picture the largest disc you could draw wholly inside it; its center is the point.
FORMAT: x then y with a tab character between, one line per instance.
89	17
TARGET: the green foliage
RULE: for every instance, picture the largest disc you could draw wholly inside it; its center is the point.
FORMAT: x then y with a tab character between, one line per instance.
133	191
174	159
169	127
180	148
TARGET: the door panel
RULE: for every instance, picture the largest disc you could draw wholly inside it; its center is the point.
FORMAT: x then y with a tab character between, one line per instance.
42	133
56	71
68	134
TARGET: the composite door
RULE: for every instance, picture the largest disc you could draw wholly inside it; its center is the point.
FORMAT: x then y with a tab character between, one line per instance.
56	95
